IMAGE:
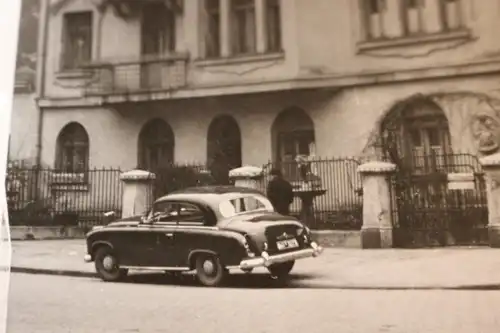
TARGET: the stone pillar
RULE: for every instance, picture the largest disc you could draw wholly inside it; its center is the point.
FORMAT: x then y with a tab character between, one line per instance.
137	192
377	218
491	167
247	176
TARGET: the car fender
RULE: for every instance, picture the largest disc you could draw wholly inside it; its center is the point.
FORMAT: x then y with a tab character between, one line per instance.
196	252
99	243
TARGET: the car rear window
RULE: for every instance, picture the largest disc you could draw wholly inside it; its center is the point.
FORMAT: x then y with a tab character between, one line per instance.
243	204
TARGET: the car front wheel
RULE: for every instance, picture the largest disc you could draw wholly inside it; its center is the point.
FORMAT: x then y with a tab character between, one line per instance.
106	264
209	270
281	270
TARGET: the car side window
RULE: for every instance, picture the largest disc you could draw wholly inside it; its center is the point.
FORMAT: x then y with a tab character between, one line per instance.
165	212
246	204
190	214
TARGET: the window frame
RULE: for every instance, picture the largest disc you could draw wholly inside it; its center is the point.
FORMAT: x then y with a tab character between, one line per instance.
276	33
67	140
177	217
405	33
67	62
248	10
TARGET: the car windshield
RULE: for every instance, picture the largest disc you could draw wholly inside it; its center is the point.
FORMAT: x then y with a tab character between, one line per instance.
243	203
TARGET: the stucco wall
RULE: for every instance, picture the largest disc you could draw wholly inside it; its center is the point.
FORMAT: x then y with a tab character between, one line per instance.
343	121
116	39
23	131
335	29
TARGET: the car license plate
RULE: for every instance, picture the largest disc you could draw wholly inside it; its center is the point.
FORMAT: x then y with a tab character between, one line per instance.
287	244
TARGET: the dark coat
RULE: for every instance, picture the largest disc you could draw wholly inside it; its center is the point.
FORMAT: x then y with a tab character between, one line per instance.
280	193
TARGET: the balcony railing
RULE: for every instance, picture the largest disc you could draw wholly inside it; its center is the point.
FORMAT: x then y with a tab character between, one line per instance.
143	75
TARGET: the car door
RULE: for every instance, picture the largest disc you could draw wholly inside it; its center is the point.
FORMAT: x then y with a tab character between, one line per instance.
164	228
140	247
191	231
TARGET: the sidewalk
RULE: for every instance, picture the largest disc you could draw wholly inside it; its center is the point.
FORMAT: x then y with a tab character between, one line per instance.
336	268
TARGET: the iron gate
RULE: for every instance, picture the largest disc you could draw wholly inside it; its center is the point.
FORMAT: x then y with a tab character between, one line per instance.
427	213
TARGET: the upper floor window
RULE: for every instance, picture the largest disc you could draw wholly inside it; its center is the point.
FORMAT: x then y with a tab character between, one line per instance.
243	26
158	30
212	31
402	18
76	39
273	25
230	27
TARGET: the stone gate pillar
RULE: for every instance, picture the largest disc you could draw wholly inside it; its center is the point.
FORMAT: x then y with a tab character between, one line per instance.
491	167
137	192
247	176
376	231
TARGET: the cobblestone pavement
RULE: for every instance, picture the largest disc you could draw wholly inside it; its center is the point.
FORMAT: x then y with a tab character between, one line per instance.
39	303
394	268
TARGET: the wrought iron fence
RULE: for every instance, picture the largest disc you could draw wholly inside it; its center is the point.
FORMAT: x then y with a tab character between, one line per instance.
45	196
340	208
427	212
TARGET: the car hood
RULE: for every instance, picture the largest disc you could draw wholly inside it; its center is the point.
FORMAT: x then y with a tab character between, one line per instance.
126	222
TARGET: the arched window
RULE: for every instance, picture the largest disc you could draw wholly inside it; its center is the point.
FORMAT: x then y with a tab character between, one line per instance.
416	135
156	145
292	134
72	154
223	147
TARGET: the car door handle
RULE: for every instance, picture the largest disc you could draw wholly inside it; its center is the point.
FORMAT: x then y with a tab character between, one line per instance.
169	234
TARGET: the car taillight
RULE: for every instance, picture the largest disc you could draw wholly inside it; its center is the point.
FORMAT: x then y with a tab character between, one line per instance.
249	251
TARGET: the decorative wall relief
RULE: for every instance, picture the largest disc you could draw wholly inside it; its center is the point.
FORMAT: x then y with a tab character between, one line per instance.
485	129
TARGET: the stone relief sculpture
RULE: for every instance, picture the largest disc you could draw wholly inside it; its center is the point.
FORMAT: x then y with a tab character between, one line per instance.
485	129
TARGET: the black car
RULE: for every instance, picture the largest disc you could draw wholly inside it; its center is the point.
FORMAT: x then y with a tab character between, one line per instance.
206	229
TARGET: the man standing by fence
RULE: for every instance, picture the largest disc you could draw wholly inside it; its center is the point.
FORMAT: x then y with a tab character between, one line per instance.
280	192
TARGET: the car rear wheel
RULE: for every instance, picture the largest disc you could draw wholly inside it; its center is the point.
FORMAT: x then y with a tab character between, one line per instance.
106	264
281	270
209	270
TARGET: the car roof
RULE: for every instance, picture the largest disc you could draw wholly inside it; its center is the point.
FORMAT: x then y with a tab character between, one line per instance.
207	194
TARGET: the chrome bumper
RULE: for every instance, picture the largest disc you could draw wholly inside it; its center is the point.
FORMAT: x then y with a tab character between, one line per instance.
87	258
265	260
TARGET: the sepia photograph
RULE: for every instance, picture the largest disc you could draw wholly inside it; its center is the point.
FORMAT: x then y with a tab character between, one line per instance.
251	166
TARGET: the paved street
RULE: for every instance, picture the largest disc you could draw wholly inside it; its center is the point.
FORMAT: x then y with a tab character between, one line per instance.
41	303
345	268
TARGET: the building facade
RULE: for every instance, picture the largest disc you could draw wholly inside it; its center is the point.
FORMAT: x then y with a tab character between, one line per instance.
277	78
148	83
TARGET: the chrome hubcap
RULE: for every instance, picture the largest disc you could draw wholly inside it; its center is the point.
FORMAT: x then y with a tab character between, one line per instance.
108	263
209	267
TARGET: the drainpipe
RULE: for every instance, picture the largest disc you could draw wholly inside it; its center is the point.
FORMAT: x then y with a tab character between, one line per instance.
40	72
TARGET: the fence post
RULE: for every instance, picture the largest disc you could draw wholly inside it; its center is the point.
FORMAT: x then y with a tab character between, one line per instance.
246	176
376	231
137	192
491	167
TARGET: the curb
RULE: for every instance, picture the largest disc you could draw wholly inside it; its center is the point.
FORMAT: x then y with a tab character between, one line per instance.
470	287
45	271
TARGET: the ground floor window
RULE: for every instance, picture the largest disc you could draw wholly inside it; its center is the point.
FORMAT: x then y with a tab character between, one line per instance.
156	145
72	149
293	135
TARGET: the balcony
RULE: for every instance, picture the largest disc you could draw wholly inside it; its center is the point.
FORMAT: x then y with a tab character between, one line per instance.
145	75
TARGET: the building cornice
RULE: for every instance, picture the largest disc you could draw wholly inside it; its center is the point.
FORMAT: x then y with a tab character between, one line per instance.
313	81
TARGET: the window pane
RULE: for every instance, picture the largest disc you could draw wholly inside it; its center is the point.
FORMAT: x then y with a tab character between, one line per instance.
78	39
433	136
273	22
189	213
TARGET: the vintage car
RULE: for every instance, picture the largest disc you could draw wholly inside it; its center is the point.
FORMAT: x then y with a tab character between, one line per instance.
206	229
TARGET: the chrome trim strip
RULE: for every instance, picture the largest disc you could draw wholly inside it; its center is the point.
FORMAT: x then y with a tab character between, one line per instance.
156	268
266	260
